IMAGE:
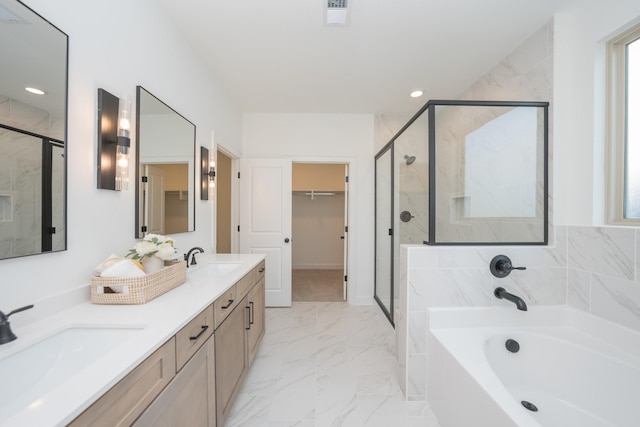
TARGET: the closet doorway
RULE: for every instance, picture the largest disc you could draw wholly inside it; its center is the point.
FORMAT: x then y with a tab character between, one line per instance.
224	222
319	231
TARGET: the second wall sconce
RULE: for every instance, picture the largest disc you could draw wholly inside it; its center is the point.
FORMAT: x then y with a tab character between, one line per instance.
207	173
114	125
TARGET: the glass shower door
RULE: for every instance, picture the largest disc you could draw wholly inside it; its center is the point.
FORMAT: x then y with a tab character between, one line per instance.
383	291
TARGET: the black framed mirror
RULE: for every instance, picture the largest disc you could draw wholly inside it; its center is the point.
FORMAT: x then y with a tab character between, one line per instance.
165	169
33	128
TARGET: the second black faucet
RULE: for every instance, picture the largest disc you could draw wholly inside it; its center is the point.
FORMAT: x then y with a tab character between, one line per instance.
193	257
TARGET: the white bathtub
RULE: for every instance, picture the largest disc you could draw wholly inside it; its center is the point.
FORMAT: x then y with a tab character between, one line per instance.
577	369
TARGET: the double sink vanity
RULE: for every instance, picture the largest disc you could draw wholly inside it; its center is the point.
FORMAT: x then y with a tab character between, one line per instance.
177	360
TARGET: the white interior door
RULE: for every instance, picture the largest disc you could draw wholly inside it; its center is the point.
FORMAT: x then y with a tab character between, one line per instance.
265	222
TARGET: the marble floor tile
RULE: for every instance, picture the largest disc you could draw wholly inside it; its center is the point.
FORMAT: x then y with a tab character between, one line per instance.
325	364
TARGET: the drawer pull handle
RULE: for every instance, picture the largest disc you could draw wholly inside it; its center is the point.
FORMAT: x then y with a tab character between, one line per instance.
251	313
224	307
261	270
249	324
204	328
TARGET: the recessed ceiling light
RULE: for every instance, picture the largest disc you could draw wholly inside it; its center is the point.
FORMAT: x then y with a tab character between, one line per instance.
416	93
34	90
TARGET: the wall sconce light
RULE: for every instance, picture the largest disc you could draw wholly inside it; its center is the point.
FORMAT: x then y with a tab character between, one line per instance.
208	173
114	125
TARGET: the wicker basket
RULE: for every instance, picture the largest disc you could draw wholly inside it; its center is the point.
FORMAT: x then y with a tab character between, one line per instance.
138	290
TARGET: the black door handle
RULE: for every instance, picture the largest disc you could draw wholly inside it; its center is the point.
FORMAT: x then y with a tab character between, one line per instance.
286	240
341	237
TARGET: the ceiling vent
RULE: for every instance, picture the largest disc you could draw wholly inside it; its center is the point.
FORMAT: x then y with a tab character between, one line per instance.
337	12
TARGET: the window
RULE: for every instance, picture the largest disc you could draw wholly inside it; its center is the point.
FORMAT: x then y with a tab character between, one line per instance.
623	122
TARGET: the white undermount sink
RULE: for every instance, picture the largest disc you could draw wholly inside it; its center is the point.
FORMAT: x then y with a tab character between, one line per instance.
30	373
214	269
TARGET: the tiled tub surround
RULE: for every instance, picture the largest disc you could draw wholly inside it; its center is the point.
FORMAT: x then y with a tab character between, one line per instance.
595	269
160	318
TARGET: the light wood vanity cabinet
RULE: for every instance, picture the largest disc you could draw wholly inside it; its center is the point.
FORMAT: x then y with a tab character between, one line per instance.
237	339
189	400
193	378
125	401
231	360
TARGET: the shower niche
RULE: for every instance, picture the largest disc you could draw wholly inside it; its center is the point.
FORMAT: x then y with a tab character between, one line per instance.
461	173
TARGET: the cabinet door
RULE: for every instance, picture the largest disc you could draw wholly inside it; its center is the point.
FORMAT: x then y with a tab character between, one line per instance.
231	360
189	400
256	318
121	405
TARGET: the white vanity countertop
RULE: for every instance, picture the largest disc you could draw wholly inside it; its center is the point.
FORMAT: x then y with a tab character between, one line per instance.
160	318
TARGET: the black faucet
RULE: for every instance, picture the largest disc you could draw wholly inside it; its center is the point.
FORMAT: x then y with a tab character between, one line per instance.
501	266
519	302
6	334
193	257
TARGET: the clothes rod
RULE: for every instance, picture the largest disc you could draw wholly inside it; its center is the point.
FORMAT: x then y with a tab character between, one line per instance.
321	193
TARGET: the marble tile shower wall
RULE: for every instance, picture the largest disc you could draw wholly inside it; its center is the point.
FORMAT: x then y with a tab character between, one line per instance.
20	178
446	276
595	269
26	117
604	273
526	74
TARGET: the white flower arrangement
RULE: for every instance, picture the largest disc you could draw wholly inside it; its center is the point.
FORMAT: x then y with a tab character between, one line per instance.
153	245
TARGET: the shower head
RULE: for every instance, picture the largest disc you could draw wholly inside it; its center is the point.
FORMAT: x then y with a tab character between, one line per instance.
409	159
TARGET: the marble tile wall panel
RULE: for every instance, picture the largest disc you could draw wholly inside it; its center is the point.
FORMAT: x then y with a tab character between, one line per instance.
616	299
579	289
23	116
553	255
417	380
417	330
386	126
537	286
638	255
603	250
401	349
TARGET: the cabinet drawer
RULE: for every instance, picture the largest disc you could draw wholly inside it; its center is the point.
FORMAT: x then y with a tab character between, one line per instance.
243	285
224	305
260	269
193	335
126	400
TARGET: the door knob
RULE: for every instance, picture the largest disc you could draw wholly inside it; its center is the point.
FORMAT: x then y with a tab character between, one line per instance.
286	240
341	237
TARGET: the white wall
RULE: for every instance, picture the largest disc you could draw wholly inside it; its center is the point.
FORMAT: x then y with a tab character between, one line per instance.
328	137
579	79
116	45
